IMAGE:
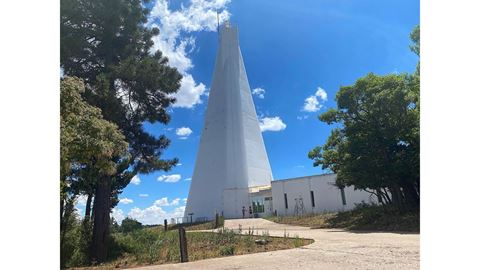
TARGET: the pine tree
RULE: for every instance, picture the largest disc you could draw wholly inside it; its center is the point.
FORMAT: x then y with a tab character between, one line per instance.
107	44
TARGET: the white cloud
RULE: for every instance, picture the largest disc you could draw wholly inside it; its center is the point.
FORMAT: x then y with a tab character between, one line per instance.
125	201
321	94
302	117
184	200
149	215
259	92
207	93
183	132
179	164
164	202
272	124
161	202
135	180
188	179
189	93
178	212
312	104
82	200
118	215
175	201
176	42
155	214
169	178
143	195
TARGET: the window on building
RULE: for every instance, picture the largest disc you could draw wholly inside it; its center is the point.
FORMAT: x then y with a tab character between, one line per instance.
286	202
344	200
312	198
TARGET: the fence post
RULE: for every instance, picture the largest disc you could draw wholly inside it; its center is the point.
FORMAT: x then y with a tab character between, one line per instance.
183	244
165	224
216	220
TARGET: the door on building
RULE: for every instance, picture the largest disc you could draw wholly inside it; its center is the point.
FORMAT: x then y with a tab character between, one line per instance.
258	206
268	206
262	206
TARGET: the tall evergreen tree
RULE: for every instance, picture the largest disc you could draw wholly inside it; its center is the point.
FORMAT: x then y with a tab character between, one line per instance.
106	43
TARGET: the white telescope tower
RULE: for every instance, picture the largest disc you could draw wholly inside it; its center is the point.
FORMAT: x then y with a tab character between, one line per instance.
232	156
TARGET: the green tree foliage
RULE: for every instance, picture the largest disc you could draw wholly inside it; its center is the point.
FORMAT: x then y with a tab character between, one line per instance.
376	145
130	225
415	37
114	227
85	137
106	43
415	47
86	141
67	232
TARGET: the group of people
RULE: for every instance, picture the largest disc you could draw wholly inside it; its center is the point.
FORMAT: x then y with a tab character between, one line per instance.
249	211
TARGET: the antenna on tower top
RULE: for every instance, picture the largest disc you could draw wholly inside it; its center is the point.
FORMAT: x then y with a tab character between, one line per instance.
218	23
218	27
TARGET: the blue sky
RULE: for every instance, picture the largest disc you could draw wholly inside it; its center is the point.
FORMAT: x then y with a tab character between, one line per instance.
290	50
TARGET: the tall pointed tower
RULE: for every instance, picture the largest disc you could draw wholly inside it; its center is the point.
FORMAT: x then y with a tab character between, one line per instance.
232	157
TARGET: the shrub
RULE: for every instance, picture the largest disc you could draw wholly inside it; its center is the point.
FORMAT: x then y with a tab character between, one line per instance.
297	242
130	225
227	250
68	246
75	247
362	205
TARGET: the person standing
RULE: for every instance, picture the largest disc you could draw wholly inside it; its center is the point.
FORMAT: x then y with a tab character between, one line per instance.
243	211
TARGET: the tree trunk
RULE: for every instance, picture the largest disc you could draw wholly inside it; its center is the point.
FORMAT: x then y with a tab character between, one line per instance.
62	205
385	193
411	195
101	219
396	196
88	206
380	196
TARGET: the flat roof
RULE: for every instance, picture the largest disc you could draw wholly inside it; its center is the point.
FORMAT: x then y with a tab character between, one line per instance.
300	177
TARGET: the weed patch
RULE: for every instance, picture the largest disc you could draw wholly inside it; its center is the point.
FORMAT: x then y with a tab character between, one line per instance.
363	217
154	246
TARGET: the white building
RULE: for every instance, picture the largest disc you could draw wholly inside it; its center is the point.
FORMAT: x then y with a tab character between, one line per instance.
314	195
231	157
232	174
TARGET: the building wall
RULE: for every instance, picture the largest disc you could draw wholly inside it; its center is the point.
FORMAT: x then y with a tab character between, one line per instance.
327	197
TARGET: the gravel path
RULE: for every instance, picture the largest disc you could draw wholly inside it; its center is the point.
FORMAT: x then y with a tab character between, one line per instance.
332	249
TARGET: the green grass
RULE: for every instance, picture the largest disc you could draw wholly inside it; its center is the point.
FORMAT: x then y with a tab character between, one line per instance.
371	218
154	246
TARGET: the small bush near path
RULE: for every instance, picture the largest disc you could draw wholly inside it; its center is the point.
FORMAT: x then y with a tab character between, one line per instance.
154	246
364	217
